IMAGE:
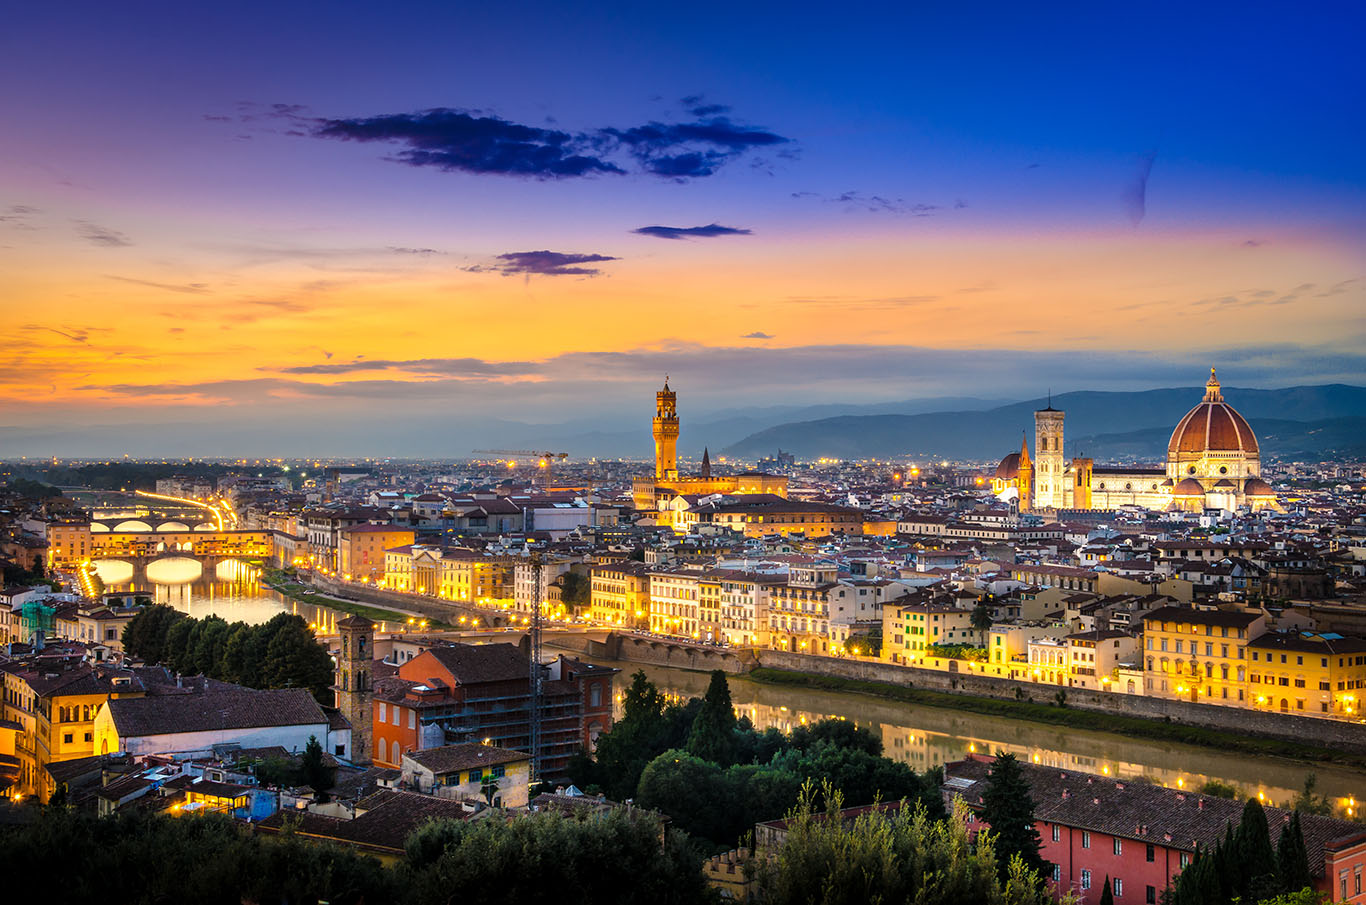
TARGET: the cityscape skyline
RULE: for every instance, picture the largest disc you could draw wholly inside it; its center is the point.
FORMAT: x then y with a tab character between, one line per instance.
265	237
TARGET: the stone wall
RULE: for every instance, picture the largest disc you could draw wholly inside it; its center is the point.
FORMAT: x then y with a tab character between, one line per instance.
660	652
445	610
1290	727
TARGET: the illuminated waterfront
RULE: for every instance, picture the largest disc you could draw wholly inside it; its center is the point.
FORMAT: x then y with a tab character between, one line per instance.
927	736
228	588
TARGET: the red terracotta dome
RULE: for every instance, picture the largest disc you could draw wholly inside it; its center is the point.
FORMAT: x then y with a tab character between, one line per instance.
1009	469
1188	487
1258	487
1212	426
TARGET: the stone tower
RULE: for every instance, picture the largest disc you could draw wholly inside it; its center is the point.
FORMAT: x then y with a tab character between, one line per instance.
1050	469
1024	477
706	463
353	685
1083	469
666	434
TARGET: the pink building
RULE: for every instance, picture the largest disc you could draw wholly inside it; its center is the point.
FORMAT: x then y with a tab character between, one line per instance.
1141	835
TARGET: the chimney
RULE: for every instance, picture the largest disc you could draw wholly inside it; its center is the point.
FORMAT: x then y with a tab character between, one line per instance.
1095	801
1120	786
1066	794
1200	804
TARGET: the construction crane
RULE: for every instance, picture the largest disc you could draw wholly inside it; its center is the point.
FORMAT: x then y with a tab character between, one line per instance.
537	677
546	458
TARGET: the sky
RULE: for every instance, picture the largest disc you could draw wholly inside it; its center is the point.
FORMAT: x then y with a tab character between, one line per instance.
285	228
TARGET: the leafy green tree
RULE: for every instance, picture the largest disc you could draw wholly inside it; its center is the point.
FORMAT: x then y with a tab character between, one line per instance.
243	655
836	732
1008	809
209	645
1218	789
887	856
178	639
145	634
295	659
1304	896
1309	802
549	859
575	591
692	791
1292	858
713	731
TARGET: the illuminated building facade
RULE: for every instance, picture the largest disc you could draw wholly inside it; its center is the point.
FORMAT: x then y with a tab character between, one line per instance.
1213	461
648	491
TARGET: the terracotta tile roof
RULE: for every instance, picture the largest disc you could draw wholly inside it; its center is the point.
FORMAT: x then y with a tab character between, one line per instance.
474	663
388	819
1141	811
214	711
454	758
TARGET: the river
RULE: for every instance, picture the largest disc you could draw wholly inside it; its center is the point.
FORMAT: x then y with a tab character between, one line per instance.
924	737
921	736
231	589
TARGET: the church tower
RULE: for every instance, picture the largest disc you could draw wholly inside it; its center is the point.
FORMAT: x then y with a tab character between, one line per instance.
353	686
666	434
706	464
1024	479
1050	479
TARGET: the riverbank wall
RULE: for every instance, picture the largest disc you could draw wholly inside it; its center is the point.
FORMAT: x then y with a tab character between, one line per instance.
444	610
1282	726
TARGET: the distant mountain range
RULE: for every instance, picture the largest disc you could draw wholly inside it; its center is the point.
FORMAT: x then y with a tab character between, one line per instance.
1321	421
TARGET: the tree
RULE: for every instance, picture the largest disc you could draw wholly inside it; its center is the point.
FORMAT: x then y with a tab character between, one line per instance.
575	591
981	621
837	732
1009	810
295	659
887	855
692	791
1218	789
713	731
1292	858
1255	860
314	769
1107	895
1308	802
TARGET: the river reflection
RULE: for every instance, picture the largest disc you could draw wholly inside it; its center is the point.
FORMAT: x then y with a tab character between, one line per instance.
924	737
228	588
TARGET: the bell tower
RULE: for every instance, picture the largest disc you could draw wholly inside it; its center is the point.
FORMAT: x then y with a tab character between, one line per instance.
1024	478
666	434
353	686
1050	469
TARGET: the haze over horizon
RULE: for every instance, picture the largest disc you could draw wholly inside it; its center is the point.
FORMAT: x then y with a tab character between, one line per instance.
258	228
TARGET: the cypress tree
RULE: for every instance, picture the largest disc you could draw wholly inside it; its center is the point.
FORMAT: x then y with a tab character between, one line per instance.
1107	895
1009	810
1254	858
1292	858
713	729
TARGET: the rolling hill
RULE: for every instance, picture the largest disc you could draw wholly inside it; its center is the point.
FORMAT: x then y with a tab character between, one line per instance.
1137	422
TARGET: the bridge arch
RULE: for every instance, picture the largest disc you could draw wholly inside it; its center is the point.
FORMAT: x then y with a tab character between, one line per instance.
206	526
133	524
98	528
173	526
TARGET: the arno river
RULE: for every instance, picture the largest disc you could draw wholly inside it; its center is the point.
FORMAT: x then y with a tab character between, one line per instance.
230	589
926	736
921	736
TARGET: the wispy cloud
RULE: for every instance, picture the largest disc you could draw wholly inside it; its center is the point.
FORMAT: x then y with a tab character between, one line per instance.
189	288
757	334
101	235
711	230
543	263
879	204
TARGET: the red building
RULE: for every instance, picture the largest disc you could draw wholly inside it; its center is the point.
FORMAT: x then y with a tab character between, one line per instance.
1141	835
455	693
